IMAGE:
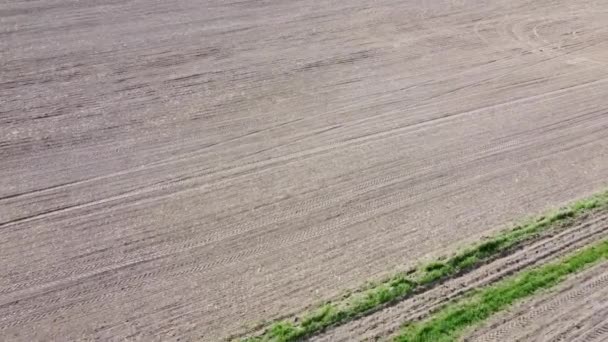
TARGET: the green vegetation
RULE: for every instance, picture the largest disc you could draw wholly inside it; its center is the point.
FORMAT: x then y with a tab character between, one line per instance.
447	324
401	285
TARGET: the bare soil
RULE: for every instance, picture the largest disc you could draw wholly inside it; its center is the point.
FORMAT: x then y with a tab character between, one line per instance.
183	169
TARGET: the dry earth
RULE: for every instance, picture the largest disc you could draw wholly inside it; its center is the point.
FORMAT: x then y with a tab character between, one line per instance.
177	169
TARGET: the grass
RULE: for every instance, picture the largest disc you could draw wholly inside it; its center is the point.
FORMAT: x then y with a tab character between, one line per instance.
399	286
451	321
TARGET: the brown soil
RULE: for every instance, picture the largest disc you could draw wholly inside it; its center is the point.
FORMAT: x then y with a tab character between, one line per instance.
178	169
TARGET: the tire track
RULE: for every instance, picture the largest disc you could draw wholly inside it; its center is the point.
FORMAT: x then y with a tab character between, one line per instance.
365	211
569	313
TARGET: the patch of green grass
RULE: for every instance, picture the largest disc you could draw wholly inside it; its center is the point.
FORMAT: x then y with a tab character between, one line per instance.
375	295
447	324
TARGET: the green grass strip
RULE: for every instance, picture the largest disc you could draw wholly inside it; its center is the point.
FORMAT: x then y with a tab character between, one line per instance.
401	285
450	322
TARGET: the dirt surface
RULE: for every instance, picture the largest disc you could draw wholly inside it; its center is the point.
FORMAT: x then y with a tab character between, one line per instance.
386	322
178	169
577	311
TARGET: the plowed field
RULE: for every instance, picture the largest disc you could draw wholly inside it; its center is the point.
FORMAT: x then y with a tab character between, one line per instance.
183	169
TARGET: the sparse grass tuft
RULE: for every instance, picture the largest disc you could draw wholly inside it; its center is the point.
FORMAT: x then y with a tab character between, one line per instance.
373	296
447	324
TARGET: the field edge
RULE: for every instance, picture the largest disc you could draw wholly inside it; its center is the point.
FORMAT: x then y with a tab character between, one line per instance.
374	296
453	319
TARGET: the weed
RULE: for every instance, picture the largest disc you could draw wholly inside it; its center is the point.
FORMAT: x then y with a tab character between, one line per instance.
447	324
